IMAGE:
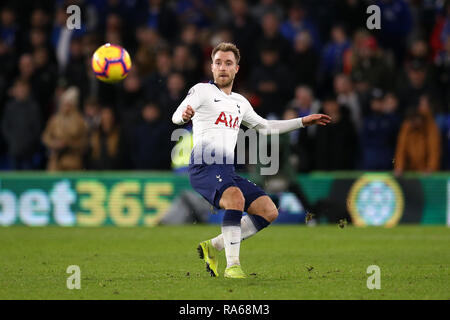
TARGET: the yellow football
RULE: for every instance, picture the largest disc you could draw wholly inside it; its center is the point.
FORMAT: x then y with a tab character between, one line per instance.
111	63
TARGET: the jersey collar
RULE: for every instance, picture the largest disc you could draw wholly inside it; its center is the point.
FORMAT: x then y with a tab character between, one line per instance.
212	82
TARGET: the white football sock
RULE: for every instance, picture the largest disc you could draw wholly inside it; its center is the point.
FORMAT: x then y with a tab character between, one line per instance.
247	230
232	243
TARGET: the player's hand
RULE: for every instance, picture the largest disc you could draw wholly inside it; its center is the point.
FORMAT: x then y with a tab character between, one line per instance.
320	119
188	113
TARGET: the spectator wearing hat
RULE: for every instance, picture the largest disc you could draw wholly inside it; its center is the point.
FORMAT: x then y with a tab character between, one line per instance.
369	63
66	134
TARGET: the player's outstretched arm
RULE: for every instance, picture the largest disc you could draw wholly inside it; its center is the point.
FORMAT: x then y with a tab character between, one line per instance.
320	119
283	126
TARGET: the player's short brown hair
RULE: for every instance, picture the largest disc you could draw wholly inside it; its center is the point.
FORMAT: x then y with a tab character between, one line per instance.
227	46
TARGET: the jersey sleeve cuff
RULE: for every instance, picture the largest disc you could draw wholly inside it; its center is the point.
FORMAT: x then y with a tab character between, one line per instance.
300	123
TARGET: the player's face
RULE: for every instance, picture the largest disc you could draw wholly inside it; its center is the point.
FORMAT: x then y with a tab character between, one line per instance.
224	68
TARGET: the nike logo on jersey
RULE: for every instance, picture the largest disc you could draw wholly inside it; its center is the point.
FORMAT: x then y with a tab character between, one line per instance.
239	108
216	100
234	243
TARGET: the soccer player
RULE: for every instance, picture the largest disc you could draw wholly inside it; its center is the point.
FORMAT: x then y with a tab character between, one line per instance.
217	113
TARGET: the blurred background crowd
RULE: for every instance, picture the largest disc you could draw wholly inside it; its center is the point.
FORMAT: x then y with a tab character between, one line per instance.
387	90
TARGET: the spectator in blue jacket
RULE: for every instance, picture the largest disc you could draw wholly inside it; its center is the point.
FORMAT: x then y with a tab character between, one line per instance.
297	22
379	132
9	29
197	12
332	61
396	24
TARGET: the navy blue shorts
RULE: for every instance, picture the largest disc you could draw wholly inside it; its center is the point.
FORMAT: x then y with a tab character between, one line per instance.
213	179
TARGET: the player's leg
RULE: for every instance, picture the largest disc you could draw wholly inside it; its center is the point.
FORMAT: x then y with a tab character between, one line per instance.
261	212
232	200
260	208
216	184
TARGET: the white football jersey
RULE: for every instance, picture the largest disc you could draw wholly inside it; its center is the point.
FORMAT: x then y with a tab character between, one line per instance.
217	117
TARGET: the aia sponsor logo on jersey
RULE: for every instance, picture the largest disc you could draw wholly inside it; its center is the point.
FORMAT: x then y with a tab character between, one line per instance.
228	121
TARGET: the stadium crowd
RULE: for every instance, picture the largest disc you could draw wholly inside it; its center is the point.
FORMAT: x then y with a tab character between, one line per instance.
387	90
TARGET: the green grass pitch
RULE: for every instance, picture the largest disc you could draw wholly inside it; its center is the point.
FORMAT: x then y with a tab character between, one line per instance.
283	262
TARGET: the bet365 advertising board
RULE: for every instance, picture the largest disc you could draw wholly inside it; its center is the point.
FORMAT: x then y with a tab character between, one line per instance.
143	198
87	199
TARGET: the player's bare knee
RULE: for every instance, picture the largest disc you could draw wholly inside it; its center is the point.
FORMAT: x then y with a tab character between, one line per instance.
271	215
270	212
233	199
237	202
